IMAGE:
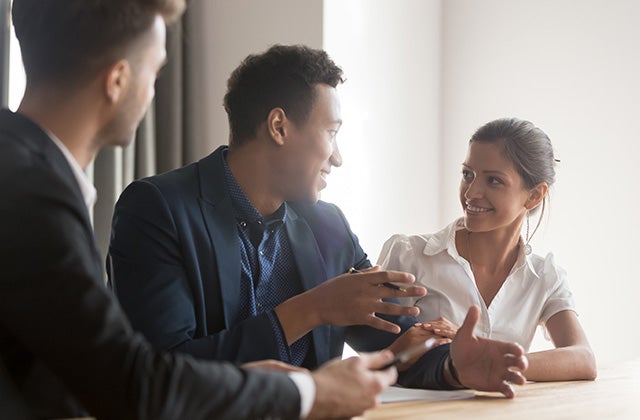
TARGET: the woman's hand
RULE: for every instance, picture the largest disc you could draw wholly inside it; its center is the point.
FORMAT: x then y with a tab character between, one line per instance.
441	327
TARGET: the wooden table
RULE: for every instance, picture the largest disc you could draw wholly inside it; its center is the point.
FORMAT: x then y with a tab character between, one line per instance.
614	395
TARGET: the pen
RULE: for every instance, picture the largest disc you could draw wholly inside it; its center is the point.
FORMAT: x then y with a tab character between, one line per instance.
385	284
405	356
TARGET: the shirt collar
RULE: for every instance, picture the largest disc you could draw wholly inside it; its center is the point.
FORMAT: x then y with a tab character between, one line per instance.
242	208
88	190
445	240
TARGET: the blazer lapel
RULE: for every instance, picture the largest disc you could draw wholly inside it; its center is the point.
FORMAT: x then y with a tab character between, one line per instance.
217	212
311	268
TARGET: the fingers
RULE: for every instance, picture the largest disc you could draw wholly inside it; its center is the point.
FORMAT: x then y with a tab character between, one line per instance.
507	390
374	361
392	290
466	329
390	308
376	276
520	363
515	377
515	349
386	281
381	324
441	331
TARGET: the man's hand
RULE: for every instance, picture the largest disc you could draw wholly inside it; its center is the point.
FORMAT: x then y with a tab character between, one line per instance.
484	364
349	299
346	388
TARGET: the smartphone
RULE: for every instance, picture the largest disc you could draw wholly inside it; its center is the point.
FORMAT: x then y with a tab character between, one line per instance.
407	354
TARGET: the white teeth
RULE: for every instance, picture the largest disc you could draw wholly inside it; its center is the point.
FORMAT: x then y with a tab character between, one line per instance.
476	209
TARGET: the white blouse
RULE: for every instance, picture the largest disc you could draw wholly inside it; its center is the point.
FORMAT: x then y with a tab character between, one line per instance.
535	290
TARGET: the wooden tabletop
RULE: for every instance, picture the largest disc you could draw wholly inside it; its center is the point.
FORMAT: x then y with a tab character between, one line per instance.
615	394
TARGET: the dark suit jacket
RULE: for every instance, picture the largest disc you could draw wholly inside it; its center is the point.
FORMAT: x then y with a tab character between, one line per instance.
175	267
65	345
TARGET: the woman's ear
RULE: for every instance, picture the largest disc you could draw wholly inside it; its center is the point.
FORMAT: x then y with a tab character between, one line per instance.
536	194
117	81
277	125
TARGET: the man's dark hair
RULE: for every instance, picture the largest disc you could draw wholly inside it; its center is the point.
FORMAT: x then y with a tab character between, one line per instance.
70	40
283	77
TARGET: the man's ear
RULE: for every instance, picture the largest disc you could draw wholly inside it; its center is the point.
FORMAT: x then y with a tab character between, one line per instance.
117	80
536	194
277	125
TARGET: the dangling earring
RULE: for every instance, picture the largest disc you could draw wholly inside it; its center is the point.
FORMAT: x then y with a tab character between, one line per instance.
527	247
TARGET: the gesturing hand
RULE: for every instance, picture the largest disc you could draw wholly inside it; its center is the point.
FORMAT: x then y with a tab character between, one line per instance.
349	299
484	364
346	388
354	299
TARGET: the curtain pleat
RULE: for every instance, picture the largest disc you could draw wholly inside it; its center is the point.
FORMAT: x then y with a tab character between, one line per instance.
5	33
158	146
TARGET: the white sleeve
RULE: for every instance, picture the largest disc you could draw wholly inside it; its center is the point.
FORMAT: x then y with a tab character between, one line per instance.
395	248
560	297
307	389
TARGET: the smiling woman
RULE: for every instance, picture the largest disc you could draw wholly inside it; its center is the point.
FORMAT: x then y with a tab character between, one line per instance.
482	259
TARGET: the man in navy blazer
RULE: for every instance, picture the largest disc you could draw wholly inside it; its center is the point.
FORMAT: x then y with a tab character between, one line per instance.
234	257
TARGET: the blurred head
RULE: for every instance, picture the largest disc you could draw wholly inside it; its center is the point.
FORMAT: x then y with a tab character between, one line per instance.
69	44
509	168
288	95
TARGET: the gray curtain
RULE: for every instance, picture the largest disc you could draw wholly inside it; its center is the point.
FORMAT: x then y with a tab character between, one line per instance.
160	140
5	31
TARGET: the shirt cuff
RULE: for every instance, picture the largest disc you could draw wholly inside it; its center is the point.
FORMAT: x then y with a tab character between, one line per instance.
307	389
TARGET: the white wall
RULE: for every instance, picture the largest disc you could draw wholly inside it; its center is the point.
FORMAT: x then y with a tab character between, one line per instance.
572	67
390	53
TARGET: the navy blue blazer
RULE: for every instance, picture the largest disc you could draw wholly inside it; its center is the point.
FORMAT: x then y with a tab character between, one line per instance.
174	264
175	267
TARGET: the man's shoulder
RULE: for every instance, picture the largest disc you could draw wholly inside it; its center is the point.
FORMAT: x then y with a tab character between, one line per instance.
172	185
188	179
16	152
319	212
25	170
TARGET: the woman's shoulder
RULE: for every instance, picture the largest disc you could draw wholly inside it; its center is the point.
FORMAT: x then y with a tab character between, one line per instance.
407	240
546	267
404	248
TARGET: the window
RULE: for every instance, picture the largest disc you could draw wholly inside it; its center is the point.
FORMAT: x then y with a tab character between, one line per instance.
16	73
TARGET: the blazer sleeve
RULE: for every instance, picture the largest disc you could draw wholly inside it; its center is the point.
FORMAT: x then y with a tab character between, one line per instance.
54	306
156	273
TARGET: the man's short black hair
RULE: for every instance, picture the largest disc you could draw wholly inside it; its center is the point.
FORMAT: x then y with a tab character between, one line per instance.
69	40
284	77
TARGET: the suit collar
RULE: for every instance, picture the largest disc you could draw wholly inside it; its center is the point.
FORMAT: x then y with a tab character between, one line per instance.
211	174
217	211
